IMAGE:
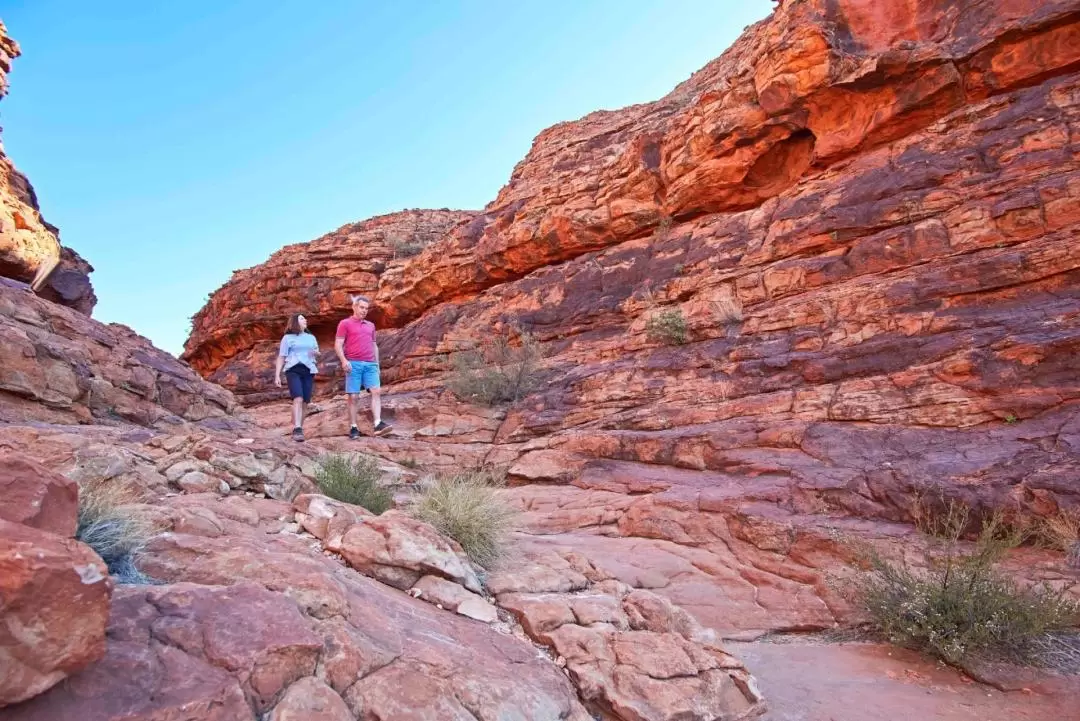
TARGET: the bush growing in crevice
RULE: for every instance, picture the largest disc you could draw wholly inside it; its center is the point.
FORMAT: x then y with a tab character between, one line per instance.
355	481
499	371
960	607
113	523
467	508
668	327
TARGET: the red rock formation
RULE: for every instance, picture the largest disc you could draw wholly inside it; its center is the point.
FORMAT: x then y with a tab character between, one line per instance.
34	496
54	591
234	337
59	366
27	242
873	213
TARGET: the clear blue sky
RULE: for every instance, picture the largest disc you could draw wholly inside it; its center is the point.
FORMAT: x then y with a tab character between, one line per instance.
175	142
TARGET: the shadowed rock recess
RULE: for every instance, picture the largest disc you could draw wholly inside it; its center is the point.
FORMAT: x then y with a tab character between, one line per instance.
864	215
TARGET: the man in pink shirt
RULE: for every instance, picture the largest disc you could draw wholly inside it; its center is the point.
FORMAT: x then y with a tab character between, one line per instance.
359	356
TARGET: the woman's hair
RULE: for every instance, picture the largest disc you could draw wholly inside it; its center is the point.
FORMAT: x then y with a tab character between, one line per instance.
294	325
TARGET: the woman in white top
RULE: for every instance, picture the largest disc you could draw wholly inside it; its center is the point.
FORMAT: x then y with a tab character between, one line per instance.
296	356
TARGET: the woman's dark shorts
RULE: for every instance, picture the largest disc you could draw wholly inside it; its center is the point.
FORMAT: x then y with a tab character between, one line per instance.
300	382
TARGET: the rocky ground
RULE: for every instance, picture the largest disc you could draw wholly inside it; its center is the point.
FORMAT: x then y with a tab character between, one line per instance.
865	216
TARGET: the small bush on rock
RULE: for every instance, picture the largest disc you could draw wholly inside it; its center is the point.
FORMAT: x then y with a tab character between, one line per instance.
497	372
355	481
466	508
668	327
960	607
116	526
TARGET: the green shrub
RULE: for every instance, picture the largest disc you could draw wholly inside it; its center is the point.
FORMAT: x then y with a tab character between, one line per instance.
496	372
113	523
667	327
960	607
355	481
467	508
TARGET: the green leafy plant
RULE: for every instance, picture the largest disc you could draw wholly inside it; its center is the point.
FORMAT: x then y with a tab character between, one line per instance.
467	508
959	606
499	371
668	327
355	481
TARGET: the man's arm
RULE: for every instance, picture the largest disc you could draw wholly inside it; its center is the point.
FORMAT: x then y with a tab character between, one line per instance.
339	348
376	347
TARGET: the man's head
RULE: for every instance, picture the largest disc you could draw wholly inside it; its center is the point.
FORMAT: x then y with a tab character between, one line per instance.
360	306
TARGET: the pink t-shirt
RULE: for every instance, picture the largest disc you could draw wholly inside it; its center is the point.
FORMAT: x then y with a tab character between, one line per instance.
359	338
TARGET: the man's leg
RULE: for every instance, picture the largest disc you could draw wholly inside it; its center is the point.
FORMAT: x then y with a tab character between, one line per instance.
351	401
376	406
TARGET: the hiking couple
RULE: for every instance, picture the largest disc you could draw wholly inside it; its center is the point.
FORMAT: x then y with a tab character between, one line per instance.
359	355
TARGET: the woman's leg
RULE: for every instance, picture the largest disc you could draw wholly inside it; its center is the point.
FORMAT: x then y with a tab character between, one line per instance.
298	411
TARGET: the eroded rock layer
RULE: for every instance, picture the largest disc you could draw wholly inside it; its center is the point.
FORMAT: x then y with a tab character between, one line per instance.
234	337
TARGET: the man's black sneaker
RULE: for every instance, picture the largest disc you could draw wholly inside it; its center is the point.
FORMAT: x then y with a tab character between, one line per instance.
354	433
382	428
298	434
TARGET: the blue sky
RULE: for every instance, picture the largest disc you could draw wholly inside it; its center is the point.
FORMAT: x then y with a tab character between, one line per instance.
175	142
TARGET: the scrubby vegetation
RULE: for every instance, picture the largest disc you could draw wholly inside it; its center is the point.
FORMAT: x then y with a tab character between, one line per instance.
113	523
957	605
354	480
668	327
467	508
499	371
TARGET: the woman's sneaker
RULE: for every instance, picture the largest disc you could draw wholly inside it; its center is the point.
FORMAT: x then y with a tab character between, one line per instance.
382	428
354	433
298	434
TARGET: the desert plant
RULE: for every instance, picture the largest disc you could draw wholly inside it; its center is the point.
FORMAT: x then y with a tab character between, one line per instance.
728	309
113	523
663	228
1061	532
667	327
466	508
959	606
355	481
405	247
496	372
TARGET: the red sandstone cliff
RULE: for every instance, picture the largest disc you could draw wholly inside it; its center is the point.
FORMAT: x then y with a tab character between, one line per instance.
866	214
875	308
234	337
27	241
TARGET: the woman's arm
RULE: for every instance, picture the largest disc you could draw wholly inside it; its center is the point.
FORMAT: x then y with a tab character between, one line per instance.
277	370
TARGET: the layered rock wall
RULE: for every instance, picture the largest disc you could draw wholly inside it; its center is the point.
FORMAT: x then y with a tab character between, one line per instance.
234	337
865	214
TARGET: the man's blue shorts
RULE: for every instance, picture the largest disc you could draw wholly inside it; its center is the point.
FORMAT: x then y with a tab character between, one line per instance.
363	375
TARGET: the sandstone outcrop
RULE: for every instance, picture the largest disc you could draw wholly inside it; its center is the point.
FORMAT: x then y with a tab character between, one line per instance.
315	279
59	366
54	591
864	215
27	242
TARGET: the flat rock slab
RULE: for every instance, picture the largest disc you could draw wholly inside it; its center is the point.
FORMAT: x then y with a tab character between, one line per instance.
876	682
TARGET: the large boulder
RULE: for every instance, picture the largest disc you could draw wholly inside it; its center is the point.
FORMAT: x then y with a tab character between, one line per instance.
54	604
35	496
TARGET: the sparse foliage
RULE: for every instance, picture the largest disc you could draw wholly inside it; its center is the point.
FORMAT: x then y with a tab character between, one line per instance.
663	228
355	481
496	372
728	309
959	606
405	247
668	327
113	523
467	508
1061	532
